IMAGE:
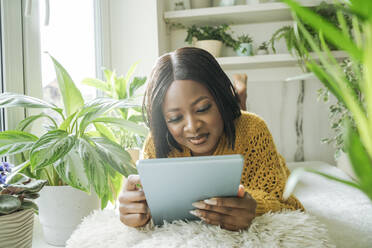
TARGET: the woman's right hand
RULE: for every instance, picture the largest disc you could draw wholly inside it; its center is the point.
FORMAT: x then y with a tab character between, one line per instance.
133	207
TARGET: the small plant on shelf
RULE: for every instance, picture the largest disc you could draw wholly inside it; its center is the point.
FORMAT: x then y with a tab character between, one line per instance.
263	49
243	45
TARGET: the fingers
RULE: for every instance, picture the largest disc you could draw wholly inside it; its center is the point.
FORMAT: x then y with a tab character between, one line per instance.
132	182
135	220
132	196
241	191
232	202
222	210
134	208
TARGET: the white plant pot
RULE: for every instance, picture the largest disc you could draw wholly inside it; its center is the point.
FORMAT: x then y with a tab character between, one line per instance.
61	209
212	46
262	52
344	164
198	4
16	229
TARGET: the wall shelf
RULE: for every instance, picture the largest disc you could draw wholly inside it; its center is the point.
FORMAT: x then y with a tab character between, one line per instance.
239	14
264	61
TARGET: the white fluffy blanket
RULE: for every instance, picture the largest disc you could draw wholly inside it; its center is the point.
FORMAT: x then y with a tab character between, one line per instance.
284	229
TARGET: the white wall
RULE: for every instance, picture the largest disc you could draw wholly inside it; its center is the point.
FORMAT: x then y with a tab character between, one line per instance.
133	34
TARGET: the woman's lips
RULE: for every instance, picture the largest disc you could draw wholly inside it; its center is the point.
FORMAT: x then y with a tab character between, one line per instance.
198	140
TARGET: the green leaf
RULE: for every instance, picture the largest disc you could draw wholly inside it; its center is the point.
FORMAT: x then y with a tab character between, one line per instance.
105	132
96	83
27	204
13	142
9	204
33	186
127	125
71	170
361	162
136	84
50	147
9	100
72	98
94	166
362	7
100	106
120	88
27	121
66	123
333	34
114	156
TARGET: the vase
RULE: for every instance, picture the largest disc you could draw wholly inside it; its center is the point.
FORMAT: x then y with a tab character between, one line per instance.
61	209
211	46
16	229
198	4
227	2
245	49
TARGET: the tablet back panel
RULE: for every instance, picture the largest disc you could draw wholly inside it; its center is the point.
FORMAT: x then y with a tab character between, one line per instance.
171	185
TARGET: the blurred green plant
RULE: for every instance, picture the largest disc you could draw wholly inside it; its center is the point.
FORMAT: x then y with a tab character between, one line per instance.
79	151
123	88
294	37
17	191
338	113
358	141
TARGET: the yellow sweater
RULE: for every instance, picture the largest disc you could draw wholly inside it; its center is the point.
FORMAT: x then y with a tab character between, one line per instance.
264	172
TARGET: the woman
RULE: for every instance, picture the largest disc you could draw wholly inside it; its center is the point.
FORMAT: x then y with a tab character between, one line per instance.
192	109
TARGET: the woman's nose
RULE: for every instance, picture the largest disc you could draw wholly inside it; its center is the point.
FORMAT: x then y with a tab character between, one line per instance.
192	124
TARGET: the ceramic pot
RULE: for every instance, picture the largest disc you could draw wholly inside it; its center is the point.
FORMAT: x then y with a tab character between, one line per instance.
245	49
212	46
198	4
16	229
61	209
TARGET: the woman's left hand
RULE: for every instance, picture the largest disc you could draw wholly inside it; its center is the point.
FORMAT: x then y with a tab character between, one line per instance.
231	213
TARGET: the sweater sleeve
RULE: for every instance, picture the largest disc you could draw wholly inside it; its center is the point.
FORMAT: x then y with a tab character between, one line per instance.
265	172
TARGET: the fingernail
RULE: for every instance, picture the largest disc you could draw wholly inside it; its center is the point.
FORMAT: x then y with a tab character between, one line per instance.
194	212
211	201
198	204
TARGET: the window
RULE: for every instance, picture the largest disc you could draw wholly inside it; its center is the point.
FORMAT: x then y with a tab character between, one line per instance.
69	37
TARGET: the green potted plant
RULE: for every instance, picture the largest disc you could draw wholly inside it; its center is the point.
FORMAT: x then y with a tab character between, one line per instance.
358	140
210	38
263	49
131	140
17	208
76	155
243	45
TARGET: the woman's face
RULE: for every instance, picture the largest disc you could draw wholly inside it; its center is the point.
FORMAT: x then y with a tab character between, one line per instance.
192	116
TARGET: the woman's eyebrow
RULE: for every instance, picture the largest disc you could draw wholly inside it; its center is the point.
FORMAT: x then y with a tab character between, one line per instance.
198	100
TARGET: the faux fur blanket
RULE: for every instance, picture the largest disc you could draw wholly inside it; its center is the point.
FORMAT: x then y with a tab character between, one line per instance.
283	229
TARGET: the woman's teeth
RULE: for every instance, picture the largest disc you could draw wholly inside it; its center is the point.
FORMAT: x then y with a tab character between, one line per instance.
198	140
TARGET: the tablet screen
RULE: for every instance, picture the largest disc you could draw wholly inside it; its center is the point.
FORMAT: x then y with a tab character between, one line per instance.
171	185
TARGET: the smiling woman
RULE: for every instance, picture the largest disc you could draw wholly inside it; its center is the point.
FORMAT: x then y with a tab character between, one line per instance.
193	110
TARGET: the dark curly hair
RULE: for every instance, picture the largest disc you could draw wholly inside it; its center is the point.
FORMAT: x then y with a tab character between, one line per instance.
187	63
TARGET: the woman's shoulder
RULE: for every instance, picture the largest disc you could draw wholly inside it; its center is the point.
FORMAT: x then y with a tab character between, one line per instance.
249	122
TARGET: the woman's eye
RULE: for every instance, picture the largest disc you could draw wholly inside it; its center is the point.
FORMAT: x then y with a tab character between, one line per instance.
204	108
174	119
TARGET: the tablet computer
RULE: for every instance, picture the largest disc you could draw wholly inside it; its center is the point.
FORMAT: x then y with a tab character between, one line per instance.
171	185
